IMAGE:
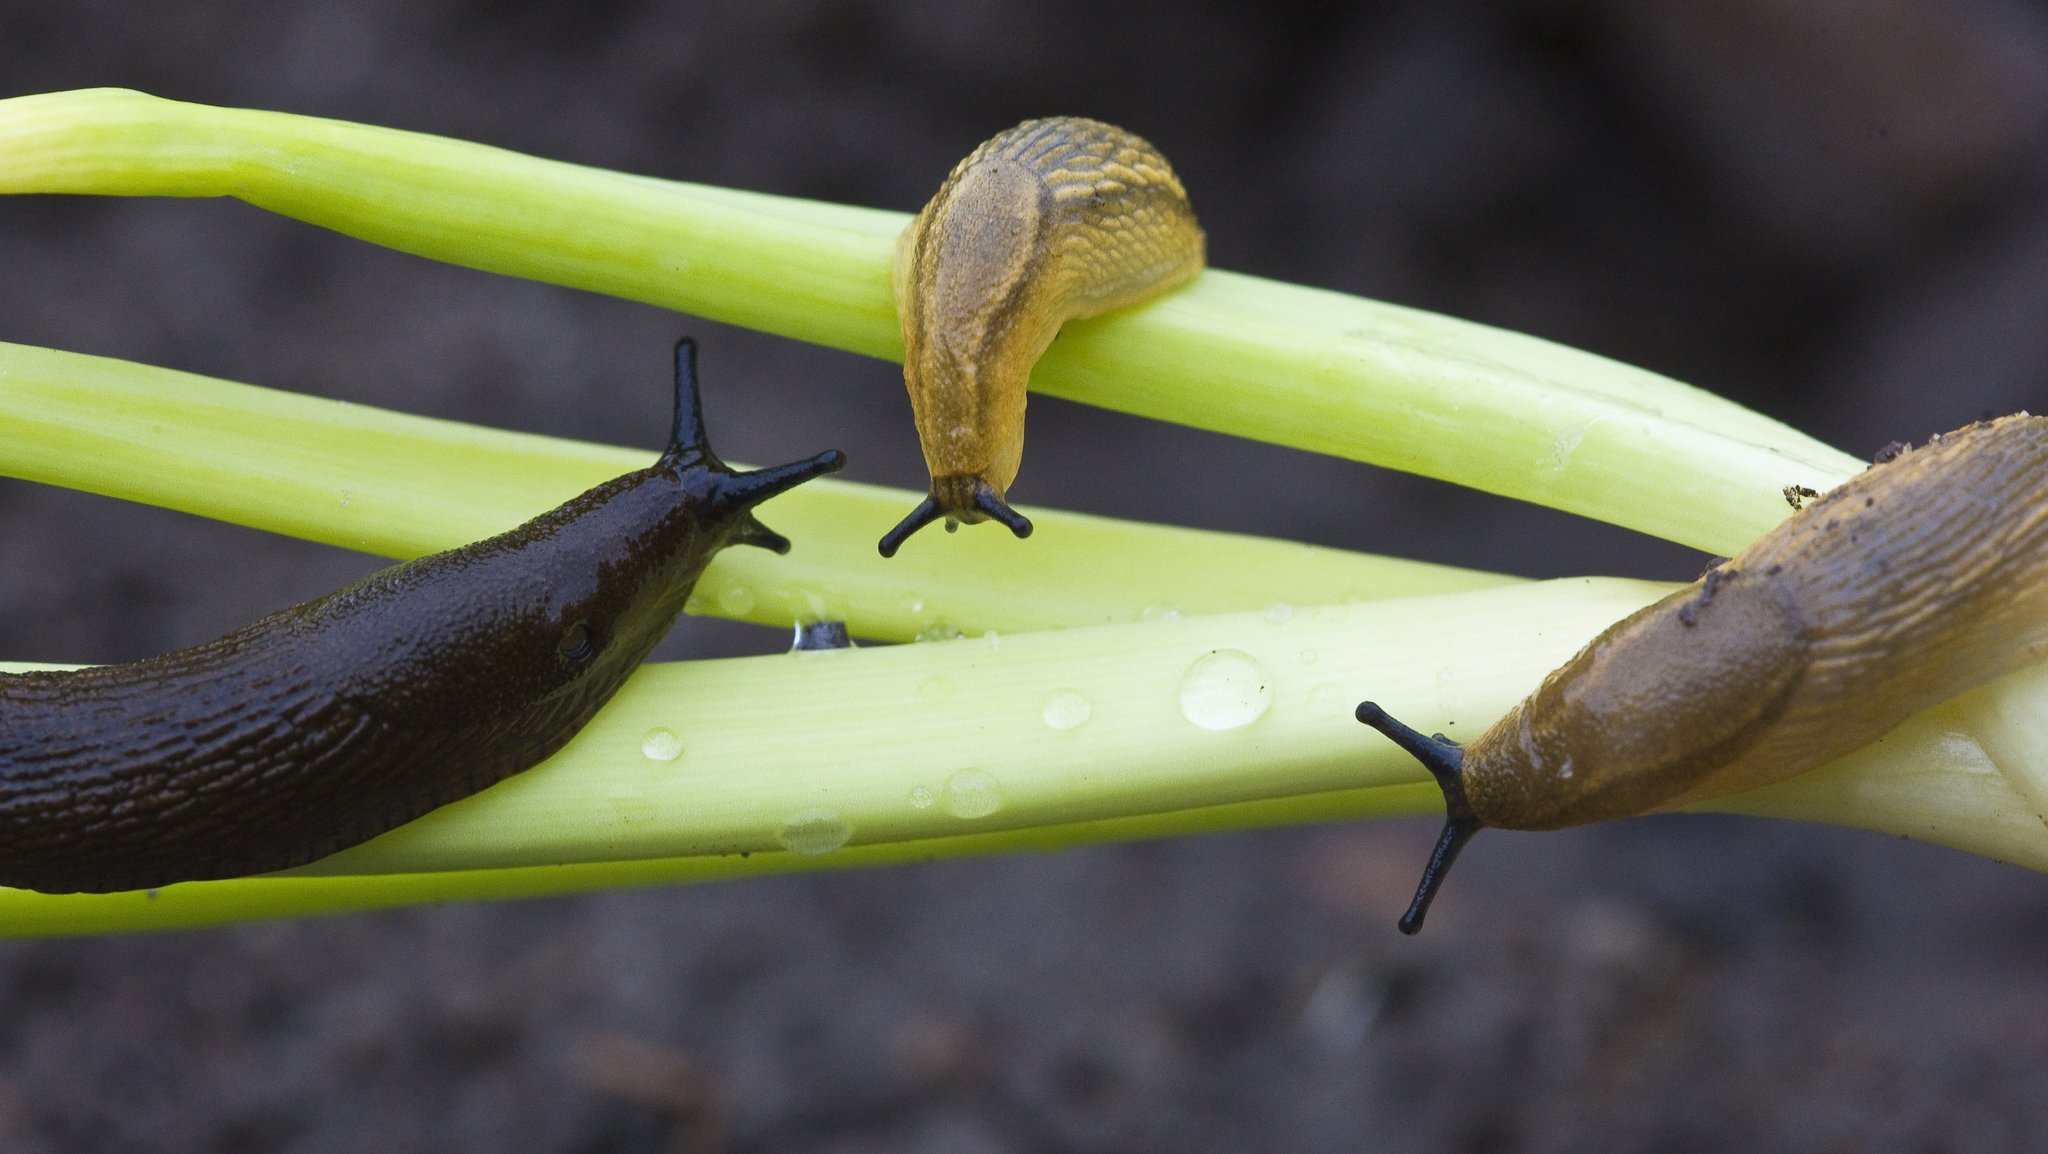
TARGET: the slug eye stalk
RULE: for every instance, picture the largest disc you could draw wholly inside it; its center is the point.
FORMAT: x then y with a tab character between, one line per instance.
998	510
728	494
1445	761
924	514
982	498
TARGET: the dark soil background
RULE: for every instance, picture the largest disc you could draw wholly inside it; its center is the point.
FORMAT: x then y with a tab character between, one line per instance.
1830	210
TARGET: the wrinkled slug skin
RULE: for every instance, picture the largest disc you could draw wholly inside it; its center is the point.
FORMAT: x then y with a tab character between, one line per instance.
1908	585
327	723
1051	220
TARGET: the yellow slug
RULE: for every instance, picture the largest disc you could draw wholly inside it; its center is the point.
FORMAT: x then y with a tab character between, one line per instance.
1916	581
1051	220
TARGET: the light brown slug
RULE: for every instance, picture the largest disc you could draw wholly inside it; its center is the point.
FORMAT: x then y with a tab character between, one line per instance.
1916	581
1051	220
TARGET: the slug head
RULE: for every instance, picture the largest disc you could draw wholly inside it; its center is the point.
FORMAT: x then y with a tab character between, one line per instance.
726	497
1665	706
712	502
1445	761
1661	708
562	609
960	500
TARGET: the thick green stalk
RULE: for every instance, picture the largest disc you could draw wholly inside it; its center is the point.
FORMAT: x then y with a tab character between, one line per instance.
244	899
1499	411
400	485
714	769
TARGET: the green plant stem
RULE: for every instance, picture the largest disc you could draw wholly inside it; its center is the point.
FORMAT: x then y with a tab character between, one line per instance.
862	757
1317	370
398	485
244	899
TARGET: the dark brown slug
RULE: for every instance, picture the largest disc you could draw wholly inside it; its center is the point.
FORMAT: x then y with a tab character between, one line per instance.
325	724
1914	582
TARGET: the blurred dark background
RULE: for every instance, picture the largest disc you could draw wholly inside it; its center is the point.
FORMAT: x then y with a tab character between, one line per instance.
1830	210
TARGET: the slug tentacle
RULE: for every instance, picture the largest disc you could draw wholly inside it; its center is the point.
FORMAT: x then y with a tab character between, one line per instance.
1445	761
686	429
329	722
926	512
986	500
1455	834
752	532
728	494
738	492
1052	220
1442	757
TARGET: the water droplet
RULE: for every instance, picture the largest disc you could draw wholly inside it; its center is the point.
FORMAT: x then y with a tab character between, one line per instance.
344	498
993	641
694	604
813	832
922	797
972	793
936	689
822	605
1279	614
1225	689
630	805
912	603
1327	698
1159	613
1067	709
1329	614
662	745
1308	657
937	631
819	637
736	601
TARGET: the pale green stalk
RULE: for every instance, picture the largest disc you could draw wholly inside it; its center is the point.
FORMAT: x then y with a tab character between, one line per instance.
712	769
243	899
400	485
1014	740
1297	366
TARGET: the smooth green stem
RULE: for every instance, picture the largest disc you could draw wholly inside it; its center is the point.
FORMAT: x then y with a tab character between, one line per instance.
848	758
25	914
400	485
1318	370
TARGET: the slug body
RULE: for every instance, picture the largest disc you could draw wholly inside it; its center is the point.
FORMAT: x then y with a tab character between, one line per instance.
1051	220
327	723
1906	586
